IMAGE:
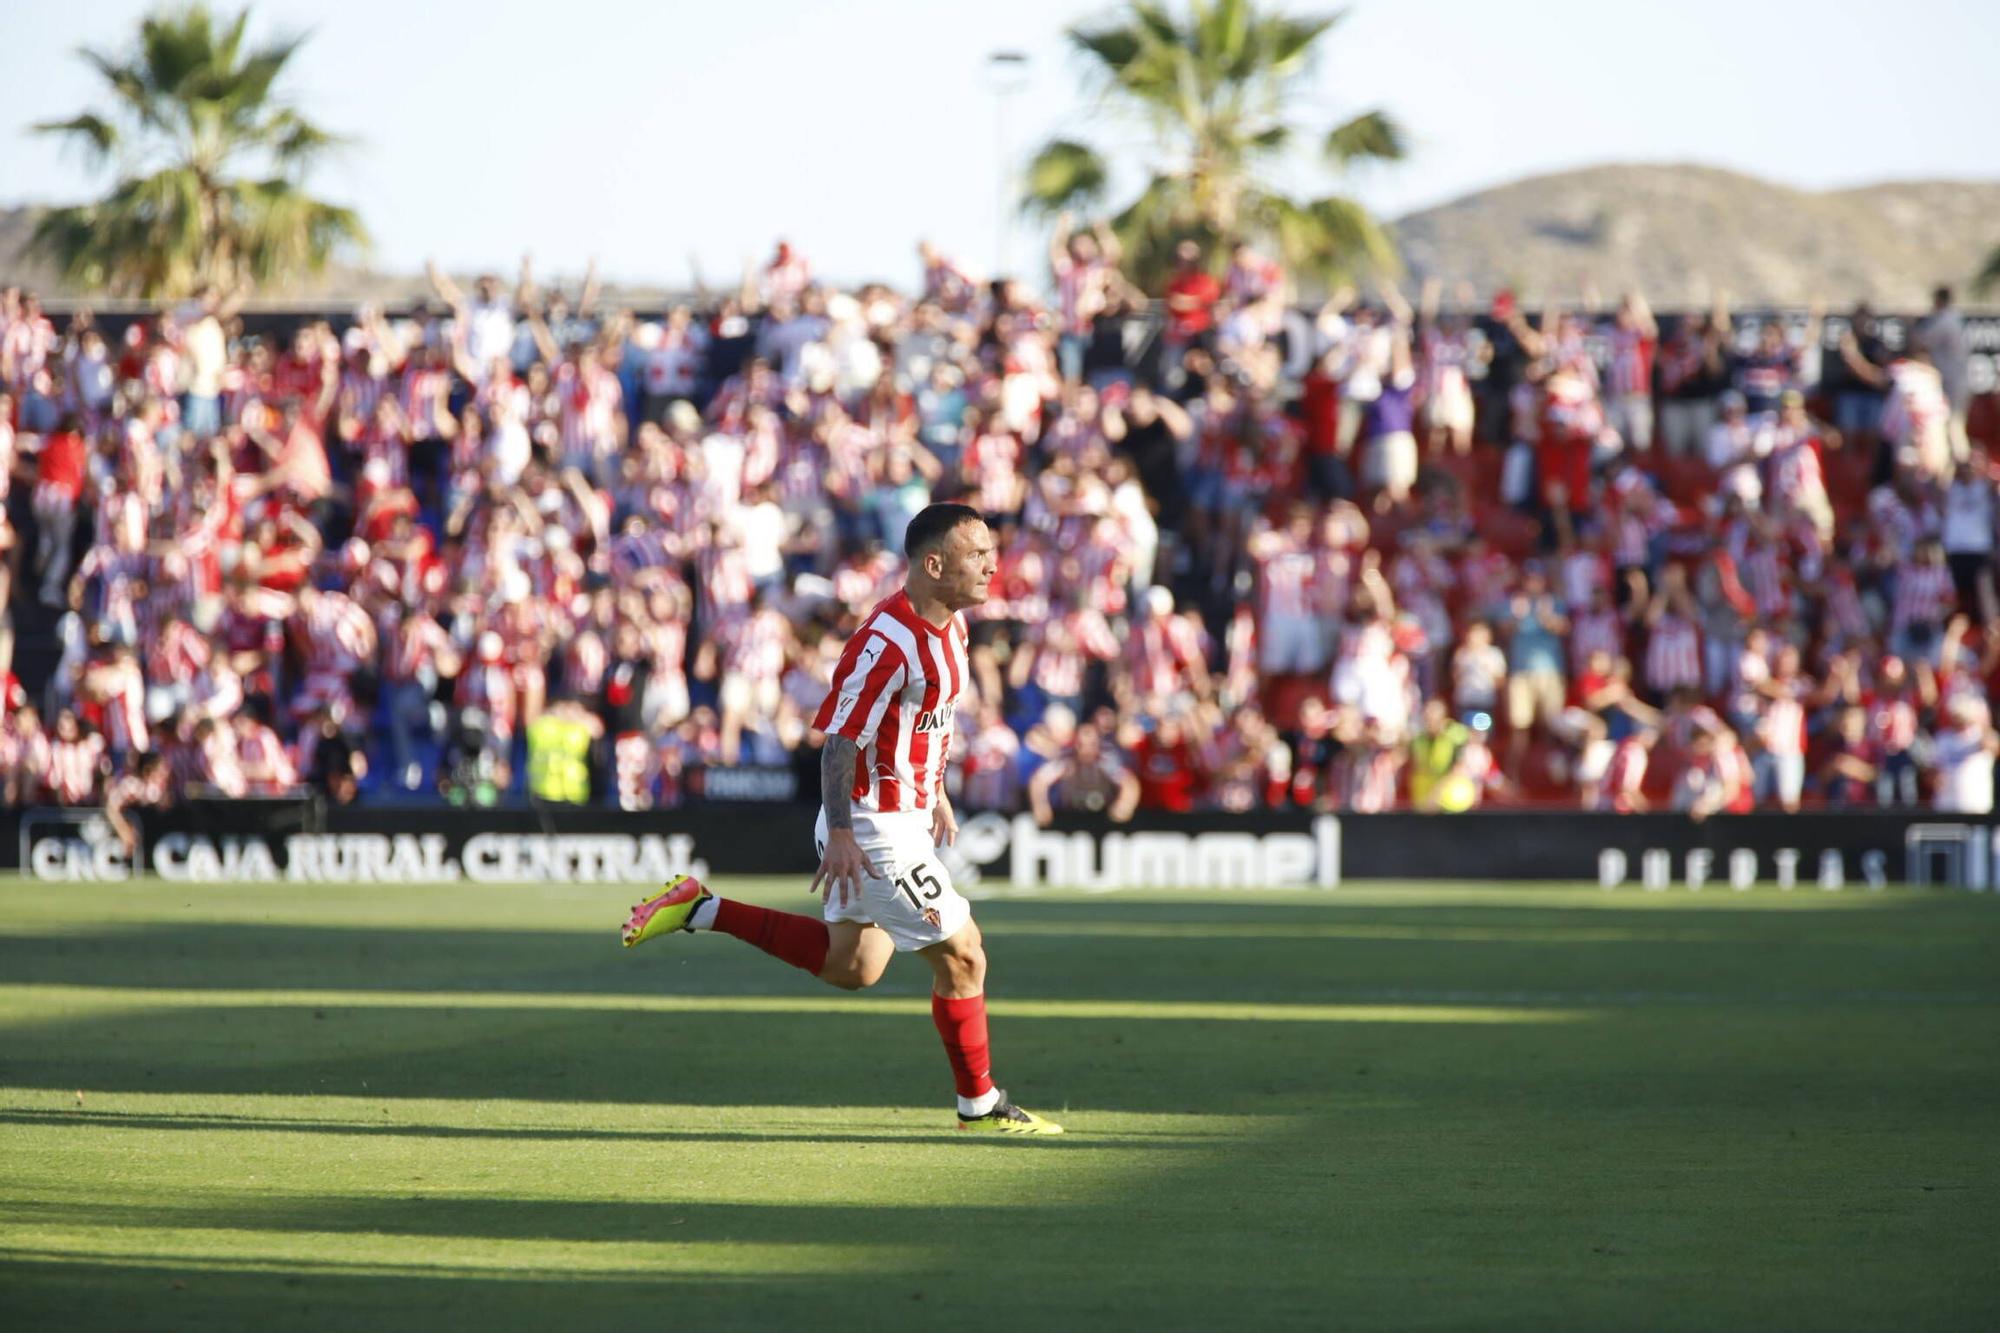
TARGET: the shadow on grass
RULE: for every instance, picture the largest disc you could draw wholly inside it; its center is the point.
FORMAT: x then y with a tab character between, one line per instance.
902	1227
1094	949
852	1058
111	1292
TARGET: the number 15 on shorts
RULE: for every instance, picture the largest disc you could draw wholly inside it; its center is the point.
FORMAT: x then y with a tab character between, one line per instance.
922	879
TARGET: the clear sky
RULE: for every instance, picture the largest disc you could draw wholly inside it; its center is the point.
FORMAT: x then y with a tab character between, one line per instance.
661	133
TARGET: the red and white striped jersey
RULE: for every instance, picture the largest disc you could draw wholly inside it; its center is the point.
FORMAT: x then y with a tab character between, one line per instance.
1846	620
335	634
121	520
124	688
592	400
1583	572
220	765
894	694
414	649
1762	569
1631	370
1673	653
1782	729
1892	721
786	277
1924	595
666	646
162	378
72	770
266	766
25	759
25	345
177	654
1064	649
139	449
725	581
753	643
1162	653
994	462
217	693
1080	292
1595	632
1285	582
1797	474
1624	777
1369	779
359	393
423	395
1631	540
631	554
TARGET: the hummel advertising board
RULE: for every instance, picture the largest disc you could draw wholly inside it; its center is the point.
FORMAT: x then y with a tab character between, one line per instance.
296	842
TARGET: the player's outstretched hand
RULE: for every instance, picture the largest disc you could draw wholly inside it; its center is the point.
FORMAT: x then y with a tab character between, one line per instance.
842	866
944	825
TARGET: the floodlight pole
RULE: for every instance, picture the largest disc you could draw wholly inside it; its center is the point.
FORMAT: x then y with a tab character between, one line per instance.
1007	71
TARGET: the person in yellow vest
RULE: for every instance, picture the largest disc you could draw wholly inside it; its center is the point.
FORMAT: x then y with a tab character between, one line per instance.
559	744
1436	781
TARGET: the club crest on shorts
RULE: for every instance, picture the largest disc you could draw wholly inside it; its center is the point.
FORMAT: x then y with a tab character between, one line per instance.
932	919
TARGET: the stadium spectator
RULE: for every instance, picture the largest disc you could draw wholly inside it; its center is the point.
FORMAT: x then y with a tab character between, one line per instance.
1165	761
143	786
1857	377
320	537
1965	752
1087	779
1940	335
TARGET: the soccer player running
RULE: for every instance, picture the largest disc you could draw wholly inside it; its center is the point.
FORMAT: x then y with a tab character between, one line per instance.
888	726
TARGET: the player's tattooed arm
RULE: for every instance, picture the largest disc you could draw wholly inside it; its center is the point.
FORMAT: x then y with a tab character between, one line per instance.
836	781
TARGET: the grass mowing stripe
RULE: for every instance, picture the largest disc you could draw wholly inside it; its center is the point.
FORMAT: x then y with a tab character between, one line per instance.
23	999
337	1108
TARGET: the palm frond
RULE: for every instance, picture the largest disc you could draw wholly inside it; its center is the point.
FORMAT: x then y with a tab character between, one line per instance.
174	48
1285	43
128	82
281	230
1989	274
1327	239
250	83
296	142
63	237
1371	136
97	136
1065	174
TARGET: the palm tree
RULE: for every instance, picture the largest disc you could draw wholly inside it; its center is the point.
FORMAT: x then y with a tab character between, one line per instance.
209	162
1213	88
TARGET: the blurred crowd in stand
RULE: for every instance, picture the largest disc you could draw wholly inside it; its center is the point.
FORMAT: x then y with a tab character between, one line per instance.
516	543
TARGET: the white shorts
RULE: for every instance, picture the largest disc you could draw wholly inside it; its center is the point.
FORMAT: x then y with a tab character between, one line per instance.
1390	462
914	900
1289	644
1451	411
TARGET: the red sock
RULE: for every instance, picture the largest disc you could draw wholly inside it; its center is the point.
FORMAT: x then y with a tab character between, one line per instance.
962	1024
798	940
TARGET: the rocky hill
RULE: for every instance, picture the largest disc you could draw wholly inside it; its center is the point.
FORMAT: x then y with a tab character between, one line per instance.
1677	232
1681	232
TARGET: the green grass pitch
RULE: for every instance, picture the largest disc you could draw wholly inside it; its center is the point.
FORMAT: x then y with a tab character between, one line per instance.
1435	1106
